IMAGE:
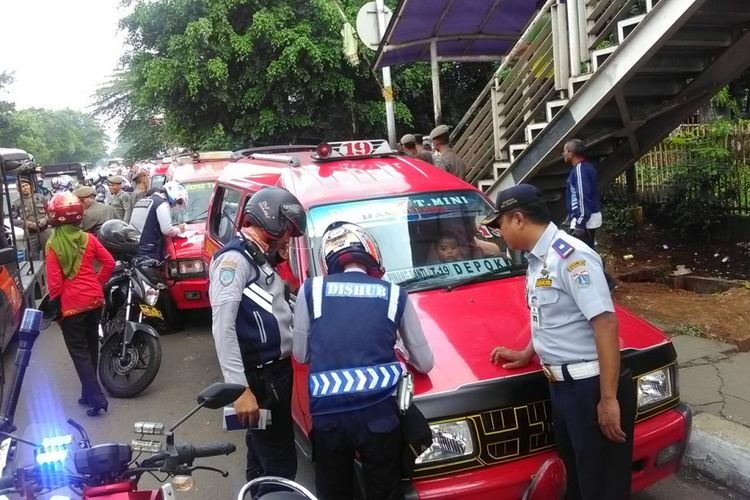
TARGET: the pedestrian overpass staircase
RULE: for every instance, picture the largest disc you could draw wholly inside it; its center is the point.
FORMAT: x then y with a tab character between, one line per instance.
618	74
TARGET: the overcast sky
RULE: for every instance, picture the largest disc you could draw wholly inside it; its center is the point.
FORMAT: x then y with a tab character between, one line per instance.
59	50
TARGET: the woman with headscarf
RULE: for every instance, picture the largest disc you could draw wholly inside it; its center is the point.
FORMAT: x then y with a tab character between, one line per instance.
72	279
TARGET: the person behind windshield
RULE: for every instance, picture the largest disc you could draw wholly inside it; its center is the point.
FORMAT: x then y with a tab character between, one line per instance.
448	249
345	323
71	278
152	218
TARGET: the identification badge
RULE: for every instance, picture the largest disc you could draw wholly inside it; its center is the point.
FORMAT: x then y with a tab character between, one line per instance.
534	307
543	283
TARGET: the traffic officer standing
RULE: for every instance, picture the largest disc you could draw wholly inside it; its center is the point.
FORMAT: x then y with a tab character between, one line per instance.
94	213
120	200
345	326
252	329
30	213
574	332
446	158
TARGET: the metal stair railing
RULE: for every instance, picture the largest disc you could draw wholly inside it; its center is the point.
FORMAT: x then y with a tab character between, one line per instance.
535	71
513	89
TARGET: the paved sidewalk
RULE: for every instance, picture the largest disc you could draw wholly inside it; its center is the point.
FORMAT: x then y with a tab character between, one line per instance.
715	382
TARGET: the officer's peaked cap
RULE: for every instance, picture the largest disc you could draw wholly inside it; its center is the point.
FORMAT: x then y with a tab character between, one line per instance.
517	196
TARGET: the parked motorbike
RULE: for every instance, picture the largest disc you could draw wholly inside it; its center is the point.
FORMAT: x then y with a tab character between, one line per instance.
109	471
130	354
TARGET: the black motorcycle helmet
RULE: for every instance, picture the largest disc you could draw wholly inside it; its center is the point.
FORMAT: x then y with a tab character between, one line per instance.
119	237
276	210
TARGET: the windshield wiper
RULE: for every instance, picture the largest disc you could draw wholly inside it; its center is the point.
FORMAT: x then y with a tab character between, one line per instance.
418	279
197	217
504	269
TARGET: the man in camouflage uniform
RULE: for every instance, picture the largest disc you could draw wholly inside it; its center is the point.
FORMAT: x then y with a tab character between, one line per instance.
446	158
120	200
30	213
94	213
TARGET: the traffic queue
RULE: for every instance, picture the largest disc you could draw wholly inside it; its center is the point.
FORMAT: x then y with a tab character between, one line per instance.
388	317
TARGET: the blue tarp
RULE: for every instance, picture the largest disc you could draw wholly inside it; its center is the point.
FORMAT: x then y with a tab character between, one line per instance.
463	29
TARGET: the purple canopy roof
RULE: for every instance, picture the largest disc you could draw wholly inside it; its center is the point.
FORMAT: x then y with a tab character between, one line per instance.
463	29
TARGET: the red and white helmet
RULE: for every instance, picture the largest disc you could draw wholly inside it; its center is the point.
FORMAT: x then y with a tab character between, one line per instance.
65	208
343	243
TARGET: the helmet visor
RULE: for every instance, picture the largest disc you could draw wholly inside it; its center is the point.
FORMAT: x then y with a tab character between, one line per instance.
296	219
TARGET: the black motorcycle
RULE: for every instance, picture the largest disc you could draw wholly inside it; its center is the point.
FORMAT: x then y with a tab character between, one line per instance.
130	354
131	351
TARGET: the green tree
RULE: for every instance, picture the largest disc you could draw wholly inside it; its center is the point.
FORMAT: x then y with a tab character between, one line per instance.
55	136
229	73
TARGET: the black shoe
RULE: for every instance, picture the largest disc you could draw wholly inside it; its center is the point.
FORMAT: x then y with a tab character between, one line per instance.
94	410
83	401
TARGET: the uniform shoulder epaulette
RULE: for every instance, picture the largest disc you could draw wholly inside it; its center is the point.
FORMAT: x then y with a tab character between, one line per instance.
563	248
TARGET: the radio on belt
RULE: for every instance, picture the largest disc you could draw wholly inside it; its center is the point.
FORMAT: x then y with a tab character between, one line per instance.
232	423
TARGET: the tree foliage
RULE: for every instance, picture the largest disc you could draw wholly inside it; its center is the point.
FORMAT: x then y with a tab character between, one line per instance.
54	136
228	73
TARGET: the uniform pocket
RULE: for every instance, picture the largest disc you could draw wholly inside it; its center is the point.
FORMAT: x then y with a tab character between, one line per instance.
547	296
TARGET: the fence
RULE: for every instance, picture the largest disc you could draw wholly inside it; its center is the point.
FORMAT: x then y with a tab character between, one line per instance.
656	172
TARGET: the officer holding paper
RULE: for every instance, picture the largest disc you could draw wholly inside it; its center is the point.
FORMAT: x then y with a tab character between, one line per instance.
346	325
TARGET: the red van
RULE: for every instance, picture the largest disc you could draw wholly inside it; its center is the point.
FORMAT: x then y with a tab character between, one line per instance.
187	276
492	427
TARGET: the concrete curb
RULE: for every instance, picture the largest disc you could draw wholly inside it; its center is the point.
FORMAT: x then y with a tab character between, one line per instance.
720	449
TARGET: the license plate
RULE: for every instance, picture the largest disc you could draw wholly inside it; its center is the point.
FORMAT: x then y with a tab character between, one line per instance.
150	311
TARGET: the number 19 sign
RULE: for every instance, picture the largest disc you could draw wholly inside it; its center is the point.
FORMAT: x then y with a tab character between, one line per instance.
355	148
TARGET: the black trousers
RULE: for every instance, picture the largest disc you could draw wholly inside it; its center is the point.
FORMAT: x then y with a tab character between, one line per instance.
81	334
588	236
597	468
370	433
271	452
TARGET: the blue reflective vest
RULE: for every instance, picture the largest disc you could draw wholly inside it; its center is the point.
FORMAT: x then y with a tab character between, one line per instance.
353	323
264	317
152	239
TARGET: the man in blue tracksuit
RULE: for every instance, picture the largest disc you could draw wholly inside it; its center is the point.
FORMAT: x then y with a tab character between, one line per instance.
582	194
346	325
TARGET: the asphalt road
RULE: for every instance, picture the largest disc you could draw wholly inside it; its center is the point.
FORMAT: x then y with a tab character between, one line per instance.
189	364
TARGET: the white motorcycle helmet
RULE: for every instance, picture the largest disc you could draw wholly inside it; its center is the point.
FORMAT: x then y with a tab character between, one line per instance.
343	243
63	183
176	193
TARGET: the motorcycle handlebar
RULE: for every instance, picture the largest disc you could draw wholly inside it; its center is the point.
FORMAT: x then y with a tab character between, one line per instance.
211	450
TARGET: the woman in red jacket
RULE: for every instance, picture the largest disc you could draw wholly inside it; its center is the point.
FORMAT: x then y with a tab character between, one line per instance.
71	278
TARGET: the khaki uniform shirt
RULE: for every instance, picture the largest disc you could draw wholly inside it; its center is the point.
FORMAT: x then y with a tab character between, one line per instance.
120	202
423	155
451	163
33	211
136	195
96	215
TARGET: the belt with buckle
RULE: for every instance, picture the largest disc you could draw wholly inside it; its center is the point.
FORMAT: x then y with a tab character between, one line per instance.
577	371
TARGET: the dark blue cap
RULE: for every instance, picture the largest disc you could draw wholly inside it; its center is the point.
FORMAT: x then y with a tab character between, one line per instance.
517	196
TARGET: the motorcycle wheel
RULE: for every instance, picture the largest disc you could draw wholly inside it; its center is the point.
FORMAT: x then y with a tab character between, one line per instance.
125	377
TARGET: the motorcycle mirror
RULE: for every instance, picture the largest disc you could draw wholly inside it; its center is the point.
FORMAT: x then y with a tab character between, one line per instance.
219	395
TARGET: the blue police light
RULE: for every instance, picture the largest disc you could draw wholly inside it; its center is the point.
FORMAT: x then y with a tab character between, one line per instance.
54	449
54	441
51	457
